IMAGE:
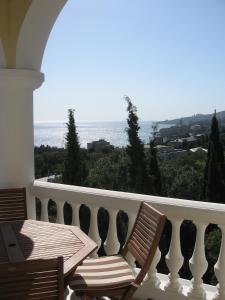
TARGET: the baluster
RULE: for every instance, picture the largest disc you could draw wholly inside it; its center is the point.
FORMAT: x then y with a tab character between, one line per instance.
220	268
60	214
76	215
44	209
198	263
153	281
129	257
93	230
174	257
112	244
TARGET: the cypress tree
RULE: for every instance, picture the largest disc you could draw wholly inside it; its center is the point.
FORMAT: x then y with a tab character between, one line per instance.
215	139
154	170
138	180
74	170
214	181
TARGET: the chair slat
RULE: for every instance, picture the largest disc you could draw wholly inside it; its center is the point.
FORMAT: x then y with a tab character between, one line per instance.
32	280
144	232
13	204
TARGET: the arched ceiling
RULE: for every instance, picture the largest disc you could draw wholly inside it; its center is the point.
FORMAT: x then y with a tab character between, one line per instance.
12	15
25	26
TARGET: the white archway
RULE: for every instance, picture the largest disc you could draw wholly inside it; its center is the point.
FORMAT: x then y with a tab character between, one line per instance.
35	31
19	76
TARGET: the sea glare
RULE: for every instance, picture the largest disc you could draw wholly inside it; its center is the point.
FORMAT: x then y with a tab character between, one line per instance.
53	134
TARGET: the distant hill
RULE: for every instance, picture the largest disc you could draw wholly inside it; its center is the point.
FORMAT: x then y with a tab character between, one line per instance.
194	119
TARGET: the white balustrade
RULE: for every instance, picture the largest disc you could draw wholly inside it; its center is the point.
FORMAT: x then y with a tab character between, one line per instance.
44	209
174	257
60	212
198	263
93	230
157	286
112	244
76	213
220	268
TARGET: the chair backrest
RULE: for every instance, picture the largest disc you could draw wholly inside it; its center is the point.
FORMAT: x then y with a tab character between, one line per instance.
13	204
32	280
144	238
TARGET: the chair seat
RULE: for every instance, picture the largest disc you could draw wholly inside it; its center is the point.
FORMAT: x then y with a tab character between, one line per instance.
110	272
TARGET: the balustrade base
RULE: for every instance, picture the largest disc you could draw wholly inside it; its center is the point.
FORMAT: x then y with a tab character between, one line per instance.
70	295
197	295
145	291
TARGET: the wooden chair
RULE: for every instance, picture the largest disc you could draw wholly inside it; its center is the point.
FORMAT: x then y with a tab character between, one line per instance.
111	276
32	280
13	204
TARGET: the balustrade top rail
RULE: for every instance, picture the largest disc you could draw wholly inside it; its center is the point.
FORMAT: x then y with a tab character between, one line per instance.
202	212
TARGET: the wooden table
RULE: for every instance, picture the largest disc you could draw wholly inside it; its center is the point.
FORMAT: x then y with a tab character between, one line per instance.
29	239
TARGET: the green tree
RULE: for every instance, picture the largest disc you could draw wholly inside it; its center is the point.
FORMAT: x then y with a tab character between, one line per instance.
138	180
103	174
74	167
154	170
214	181
182	177
122	173
155	128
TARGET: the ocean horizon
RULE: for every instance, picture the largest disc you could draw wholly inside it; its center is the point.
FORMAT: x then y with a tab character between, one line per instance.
53	133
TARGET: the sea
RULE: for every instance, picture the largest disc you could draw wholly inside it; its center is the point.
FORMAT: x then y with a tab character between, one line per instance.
53	134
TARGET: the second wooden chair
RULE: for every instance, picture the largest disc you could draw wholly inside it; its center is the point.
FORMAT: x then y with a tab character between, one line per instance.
111	276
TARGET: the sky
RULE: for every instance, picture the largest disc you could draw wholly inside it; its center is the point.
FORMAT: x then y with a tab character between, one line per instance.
168	56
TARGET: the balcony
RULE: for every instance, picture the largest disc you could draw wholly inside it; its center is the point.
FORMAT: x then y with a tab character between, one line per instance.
21	51
156	285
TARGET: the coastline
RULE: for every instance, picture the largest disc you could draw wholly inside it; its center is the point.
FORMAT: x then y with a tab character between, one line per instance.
53	133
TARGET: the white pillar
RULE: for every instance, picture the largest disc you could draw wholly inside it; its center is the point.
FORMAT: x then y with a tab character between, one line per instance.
112	244
93	231
153	281
76	215
16	130
44	209
174	257
60	212
219	268
198	263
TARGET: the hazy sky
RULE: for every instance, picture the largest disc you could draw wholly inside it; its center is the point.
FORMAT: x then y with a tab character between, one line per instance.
167	55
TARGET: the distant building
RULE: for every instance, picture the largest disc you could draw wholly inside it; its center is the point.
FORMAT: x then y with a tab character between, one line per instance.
178	143
98	145
198	149
199	136
191	141
169	152
164	148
